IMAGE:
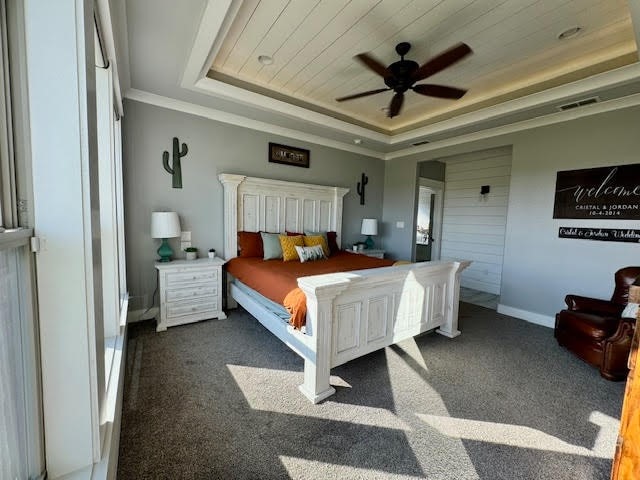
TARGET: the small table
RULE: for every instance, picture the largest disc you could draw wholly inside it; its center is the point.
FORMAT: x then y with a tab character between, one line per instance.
190	291
369	252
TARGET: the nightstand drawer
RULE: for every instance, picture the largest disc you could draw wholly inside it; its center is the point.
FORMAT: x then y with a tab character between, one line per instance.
191	292
191	308
178	278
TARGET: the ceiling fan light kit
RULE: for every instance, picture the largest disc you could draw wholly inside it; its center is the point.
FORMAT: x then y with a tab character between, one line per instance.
401	76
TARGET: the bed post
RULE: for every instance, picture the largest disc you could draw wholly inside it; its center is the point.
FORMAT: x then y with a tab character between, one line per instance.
450	327
316	386
337	213
230	184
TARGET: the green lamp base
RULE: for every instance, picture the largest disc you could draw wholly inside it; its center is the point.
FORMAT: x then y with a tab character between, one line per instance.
165	252
369	242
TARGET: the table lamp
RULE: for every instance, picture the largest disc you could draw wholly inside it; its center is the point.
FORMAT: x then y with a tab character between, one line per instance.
165	225
369	227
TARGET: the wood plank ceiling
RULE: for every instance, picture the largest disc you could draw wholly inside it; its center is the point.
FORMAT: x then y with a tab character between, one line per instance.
515	43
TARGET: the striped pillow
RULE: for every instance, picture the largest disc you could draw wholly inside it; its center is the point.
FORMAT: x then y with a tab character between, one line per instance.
312	241
310	254
289	245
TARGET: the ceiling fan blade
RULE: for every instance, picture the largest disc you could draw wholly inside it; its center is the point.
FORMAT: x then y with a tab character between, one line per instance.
442	61
362	94
395	105
440	91
373	64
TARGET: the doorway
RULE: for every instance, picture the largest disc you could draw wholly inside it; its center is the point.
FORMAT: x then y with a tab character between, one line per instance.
429	220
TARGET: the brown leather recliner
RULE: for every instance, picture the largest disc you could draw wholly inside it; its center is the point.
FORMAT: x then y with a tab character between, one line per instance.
594	330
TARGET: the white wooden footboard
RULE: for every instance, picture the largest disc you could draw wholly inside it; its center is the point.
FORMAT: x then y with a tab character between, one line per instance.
351	314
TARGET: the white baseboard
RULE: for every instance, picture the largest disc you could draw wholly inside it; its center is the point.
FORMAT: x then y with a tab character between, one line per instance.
142	314
530	317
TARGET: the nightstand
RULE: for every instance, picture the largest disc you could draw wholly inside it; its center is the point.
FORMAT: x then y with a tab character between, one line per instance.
370	253
190	291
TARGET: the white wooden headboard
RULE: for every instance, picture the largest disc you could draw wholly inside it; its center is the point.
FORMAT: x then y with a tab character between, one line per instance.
258	204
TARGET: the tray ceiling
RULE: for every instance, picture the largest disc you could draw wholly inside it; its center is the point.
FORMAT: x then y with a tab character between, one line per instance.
516	51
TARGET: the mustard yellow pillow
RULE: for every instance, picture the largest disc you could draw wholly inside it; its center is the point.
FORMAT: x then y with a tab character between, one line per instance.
289	245
313	240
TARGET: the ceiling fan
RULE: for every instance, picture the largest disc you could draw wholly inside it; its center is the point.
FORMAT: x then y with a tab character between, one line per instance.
400	76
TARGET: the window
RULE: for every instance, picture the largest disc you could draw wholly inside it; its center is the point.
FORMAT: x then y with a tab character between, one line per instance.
20	408
112	254
20	434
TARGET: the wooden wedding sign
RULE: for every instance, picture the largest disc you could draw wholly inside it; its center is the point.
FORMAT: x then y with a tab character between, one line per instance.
611	193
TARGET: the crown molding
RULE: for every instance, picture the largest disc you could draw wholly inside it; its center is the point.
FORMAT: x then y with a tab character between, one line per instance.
614	78
240	121
551	119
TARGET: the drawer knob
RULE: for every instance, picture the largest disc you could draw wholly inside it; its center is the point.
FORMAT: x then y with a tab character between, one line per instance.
193	278
193	309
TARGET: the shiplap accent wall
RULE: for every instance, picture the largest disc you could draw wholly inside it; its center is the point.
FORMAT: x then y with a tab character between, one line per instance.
474	228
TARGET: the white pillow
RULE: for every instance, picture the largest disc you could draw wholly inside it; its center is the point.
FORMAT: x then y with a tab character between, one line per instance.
310	254
630	311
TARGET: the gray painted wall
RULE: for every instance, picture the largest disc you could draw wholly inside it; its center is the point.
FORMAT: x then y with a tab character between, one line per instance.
432	169
539	268
216	148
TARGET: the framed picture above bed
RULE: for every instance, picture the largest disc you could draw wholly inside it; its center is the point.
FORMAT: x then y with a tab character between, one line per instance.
298	157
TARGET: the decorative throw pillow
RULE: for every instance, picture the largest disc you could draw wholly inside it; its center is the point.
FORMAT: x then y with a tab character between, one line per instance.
288	245
271	245
310	254
315	234
250	244
630	311
330	237
294	234
311	241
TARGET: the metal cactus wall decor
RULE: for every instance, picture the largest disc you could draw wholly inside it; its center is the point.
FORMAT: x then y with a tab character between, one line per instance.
361	185
176	169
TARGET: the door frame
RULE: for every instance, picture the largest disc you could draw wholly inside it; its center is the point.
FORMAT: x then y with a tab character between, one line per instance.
438	207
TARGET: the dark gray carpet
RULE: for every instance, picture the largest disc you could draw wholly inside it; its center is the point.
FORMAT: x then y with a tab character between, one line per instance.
219	400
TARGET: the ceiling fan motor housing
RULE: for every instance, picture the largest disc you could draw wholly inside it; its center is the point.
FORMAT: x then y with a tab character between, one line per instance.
400	79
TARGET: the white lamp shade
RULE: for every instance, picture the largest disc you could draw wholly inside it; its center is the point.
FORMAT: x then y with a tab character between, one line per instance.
369	226
165	225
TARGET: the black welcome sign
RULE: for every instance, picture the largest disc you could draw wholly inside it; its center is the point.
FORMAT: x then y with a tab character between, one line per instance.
599	193
601	234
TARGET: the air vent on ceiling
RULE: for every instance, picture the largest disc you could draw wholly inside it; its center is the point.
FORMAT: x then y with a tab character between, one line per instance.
421	142
578	103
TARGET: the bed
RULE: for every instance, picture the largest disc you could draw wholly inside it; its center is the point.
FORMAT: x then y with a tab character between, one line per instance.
348	314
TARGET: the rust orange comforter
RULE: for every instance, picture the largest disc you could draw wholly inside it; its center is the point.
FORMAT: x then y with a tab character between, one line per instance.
278	280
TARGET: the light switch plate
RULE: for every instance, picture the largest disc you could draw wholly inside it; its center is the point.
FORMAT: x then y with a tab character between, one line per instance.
399	224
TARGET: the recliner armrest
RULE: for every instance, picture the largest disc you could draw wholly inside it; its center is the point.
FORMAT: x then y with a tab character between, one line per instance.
593	305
